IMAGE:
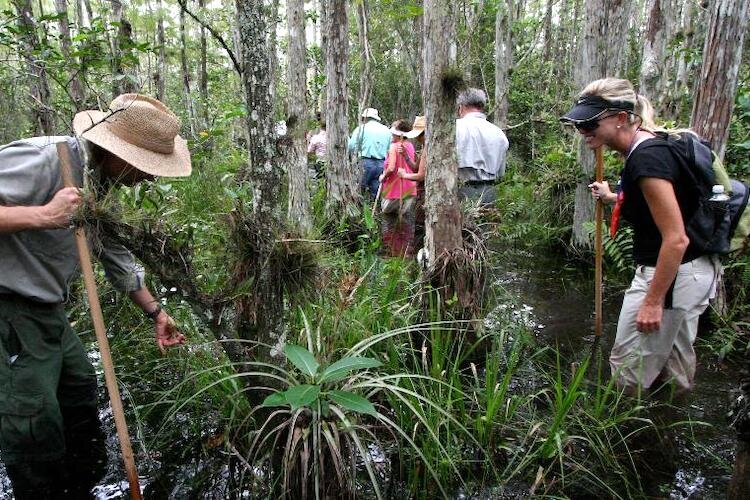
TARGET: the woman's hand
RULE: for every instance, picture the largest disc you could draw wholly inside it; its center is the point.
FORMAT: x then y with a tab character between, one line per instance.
649	318
167	334
601	191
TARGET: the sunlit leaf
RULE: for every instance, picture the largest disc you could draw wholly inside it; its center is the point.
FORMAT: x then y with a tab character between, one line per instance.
341	368
302	359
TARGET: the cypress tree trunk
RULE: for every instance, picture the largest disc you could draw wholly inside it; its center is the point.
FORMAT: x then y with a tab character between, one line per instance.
185	70
722	55
76	89
503	60
122	57
161	64
442	209
262	318
343	197
601	54
299	195
40	111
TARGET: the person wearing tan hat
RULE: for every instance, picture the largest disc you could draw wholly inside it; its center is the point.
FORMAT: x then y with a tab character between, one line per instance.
417	134
370	142
51	439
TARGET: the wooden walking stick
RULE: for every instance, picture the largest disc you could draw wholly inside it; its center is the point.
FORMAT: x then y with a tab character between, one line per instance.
598	244
101	336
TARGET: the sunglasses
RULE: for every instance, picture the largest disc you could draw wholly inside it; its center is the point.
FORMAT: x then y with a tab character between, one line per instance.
591	124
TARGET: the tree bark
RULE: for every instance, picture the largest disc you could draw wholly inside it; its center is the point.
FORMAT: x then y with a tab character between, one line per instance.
503	60
298	210
443	220
125	80
41	113
601	54
342	195
722	55
161	65
365	88
263	317
75	86
656	65
203	72
185	70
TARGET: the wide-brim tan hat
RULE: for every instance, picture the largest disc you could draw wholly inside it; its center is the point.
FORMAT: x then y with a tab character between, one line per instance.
419	126
140	130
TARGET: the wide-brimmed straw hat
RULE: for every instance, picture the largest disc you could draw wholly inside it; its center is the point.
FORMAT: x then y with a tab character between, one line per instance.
140	130
419	126
371	113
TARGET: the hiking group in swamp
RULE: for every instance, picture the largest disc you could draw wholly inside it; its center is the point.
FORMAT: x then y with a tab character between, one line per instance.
51	440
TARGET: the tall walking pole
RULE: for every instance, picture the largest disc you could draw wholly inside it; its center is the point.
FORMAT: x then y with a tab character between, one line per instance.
598	244
96	315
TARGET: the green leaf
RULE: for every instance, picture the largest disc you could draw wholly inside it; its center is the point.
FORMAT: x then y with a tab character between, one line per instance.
341	368
302	359
275	399
301	395
352	402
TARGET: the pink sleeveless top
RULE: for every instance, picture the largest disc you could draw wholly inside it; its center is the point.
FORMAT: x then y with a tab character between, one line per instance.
394	187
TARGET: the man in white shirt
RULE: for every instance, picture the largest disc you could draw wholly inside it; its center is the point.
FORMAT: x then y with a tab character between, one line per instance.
481	148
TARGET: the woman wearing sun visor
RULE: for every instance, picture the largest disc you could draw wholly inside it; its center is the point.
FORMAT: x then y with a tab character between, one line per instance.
673	281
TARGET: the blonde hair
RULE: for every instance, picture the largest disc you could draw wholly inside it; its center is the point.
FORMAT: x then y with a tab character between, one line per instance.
617	89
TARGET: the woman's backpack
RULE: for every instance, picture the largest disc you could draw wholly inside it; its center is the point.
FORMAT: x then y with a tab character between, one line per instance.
717	226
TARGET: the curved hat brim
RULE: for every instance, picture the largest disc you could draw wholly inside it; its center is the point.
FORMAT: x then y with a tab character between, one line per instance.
92	126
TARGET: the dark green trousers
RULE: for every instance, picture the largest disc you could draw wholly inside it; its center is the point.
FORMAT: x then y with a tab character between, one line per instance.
50	435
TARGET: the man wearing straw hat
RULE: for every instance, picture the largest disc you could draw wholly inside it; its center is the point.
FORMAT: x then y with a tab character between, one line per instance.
50	436
370	141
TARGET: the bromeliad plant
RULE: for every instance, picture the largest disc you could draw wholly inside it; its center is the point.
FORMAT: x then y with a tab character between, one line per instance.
317	437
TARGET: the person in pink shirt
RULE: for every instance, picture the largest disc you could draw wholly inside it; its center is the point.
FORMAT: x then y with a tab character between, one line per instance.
398	159
316	148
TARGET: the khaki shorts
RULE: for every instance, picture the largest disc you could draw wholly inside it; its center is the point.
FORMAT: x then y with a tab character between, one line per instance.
638	359
43	368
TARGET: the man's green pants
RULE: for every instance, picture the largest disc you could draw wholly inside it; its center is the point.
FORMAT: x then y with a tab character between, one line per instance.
50	436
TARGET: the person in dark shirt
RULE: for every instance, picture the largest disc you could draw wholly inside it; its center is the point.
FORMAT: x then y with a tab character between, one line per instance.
673	281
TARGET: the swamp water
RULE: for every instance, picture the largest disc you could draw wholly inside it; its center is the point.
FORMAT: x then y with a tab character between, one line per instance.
555	302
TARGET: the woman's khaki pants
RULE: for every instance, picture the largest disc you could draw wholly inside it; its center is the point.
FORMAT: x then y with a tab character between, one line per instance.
638	359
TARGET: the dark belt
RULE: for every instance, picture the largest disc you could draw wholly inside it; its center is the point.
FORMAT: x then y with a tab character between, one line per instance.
371	158
481	183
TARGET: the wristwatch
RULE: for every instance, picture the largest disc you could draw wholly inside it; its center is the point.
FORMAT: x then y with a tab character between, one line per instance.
152	315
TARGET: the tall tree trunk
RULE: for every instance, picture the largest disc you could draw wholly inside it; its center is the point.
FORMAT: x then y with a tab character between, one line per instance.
273	59
602	53
365	88
342	195
161	65
122	54
263	320
75	86
442	209
722	55
548	32
503	60
41	114
185	69
299	195
418	30
655	63
203	71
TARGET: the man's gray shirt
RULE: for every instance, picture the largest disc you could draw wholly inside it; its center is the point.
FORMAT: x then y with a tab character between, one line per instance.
41	264
481	148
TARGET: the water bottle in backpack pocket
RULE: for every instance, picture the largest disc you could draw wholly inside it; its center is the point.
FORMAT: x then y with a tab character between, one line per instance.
711	223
